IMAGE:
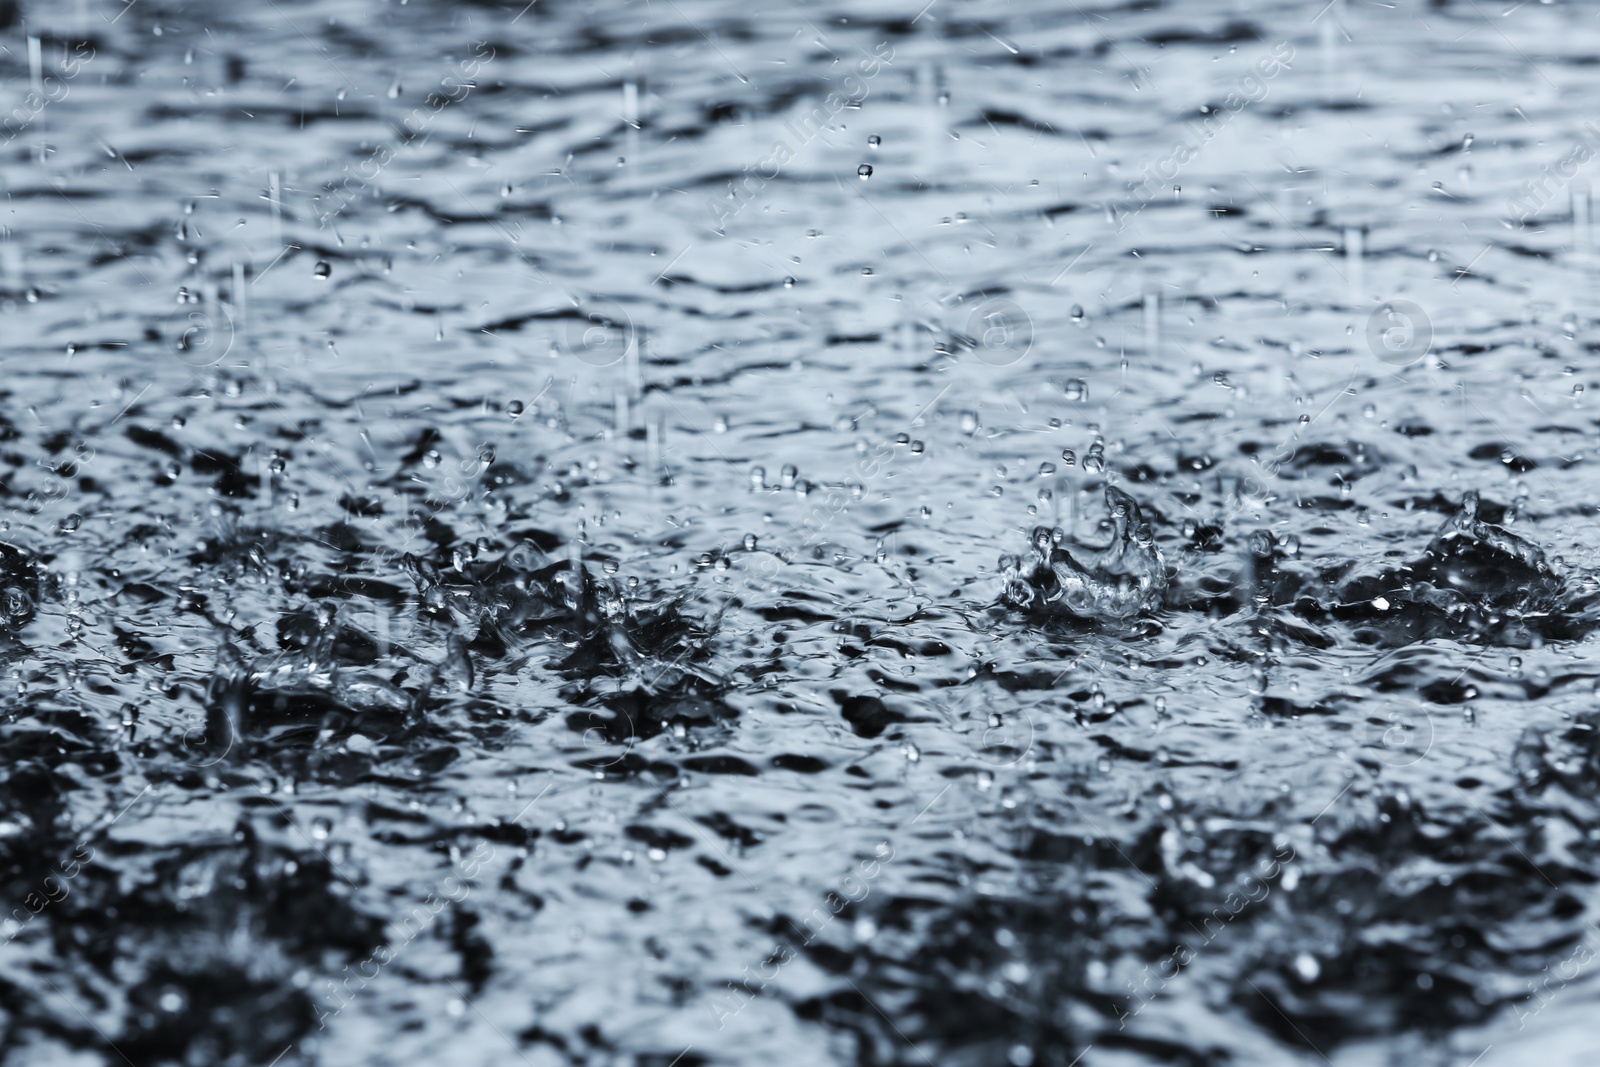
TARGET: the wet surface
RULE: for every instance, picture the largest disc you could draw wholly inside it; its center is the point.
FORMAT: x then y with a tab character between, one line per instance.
682	534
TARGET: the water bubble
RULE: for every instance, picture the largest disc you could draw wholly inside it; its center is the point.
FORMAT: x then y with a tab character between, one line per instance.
874	141
1075	389
1069	457
1077	312
71	523
969	422
322	270
1094	463
864	171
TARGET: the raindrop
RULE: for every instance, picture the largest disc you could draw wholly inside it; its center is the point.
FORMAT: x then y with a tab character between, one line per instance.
322	270
864	171
874	141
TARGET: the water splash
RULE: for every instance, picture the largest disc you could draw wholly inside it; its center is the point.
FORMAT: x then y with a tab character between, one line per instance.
1125	578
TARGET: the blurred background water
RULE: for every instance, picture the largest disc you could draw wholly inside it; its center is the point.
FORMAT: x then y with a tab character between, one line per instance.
505	508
